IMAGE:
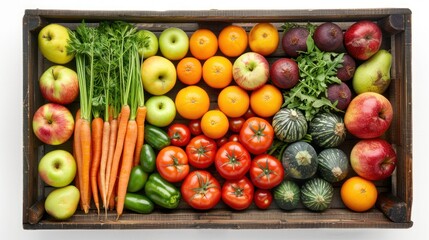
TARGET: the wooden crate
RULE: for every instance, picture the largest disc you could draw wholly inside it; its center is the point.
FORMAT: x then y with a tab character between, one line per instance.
393	209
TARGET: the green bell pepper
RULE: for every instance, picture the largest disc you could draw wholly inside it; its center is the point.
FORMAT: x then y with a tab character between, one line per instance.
162	192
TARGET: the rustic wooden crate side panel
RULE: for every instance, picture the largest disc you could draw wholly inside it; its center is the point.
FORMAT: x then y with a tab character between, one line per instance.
338	216
404	181
31	100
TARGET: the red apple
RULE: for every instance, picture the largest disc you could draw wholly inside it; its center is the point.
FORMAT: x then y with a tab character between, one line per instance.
363	39
284	73
250	70
373	159
368	115
59	84
53	123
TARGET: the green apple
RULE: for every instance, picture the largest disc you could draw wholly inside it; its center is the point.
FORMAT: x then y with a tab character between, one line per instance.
62	203
161	110
174	43
148	43
53	41
57	168
158	75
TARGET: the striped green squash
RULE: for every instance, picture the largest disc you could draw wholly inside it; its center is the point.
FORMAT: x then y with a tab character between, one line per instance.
316	194
287	195
289	125
333	164
327	130
299	160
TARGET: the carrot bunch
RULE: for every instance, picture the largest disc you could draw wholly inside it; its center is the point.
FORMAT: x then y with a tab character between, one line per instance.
109	130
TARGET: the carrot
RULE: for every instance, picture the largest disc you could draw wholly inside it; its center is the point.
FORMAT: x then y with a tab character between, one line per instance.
85	141
110	153
112	198
96	138
127	164
103	162
120	138
82	44
140	119
77	152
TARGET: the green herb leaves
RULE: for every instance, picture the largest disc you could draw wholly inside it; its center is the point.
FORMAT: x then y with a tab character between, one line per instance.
318	70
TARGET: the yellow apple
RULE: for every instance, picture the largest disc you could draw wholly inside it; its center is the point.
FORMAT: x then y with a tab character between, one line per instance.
53	40
158	75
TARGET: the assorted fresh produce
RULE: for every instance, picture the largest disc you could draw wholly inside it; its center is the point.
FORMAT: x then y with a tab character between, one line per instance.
273	133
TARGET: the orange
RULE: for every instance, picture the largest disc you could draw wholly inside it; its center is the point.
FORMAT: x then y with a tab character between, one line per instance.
214	124
217	71
358	194
189	70
203	44
232	40
264	38
233	101
266	100
192	102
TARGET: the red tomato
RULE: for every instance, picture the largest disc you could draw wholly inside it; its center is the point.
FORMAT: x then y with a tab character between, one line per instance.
238	194
233	138
201	190
263	198
249	113
195	127
256	135
232	160
201	151
235	124
266	171
172	163
179	134
221	141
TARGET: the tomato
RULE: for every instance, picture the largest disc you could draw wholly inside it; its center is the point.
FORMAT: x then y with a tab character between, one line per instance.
232	160
195	127
233	138
235	124
201	190
172	163
179	134
238	194
249	113
201	151
266	171
256	135
221	141
263	198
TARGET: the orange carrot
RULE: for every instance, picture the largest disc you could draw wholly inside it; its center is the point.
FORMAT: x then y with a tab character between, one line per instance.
140	119
112	198
122	129
110	153
96	138
127	164
77	151
100	189
103	162
85	140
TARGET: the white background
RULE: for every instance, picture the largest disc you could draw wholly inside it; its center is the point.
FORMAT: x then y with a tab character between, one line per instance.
11	121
